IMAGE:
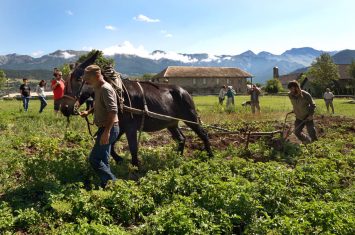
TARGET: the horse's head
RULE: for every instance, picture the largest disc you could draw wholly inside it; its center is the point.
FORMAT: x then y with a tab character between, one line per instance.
74	86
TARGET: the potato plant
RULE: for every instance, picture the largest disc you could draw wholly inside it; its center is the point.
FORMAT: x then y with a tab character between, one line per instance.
48	187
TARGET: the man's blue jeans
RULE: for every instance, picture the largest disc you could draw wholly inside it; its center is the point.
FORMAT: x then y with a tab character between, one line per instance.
43	103
99	156
25	101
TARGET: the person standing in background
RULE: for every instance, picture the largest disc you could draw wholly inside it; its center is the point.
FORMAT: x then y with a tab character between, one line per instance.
25	91
328	98
222	94
41	95
230	98
254	98
58	87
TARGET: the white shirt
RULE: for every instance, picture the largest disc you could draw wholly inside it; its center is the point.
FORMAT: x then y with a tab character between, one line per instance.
40	91
328	96
222	93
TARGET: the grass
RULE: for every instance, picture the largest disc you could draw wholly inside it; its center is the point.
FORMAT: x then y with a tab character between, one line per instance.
272	108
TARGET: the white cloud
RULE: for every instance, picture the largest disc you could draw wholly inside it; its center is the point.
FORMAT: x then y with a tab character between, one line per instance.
166	34
69	12
211	58
110	27
128	48
37	53
67	55
144	18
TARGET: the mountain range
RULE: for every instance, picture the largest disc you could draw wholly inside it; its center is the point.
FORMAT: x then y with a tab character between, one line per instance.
260	65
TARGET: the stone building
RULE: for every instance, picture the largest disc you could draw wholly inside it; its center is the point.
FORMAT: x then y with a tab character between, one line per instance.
204	80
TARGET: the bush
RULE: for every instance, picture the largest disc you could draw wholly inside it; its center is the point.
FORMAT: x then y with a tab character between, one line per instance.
273	86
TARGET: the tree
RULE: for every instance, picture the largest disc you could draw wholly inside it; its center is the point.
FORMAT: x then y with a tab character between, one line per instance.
2	79
323	73
352	74
273	86
147	76
65	69
100	60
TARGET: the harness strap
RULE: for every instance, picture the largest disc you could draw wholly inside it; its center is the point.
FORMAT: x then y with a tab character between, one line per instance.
129	99
144	113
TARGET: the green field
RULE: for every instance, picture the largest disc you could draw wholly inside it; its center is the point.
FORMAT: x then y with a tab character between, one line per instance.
48	187
278	104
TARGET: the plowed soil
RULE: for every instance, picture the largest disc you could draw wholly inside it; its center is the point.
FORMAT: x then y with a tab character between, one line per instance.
221	141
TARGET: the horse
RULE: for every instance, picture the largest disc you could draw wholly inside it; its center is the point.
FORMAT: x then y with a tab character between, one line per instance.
163	99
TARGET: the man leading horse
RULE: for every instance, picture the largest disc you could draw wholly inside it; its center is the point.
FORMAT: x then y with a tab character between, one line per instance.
105	117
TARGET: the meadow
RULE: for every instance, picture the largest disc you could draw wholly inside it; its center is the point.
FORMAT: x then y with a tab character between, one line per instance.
48	187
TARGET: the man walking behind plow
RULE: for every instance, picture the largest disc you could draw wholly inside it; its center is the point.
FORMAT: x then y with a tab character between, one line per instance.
303	107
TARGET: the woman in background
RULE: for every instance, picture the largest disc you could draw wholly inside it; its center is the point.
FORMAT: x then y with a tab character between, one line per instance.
41	95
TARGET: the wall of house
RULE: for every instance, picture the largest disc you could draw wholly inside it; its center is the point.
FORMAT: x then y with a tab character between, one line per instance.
208	86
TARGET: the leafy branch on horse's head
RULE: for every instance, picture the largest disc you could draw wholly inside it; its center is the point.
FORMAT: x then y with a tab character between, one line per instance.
101	60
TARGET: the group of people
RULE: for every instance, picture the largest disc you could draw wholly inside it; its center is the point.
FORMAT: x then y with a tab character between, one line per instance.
57	86
229	92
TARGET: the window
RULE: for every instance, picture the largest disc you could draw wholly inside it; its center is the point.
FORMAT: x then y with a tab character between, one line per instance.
217	81
194	81
204	81
228	81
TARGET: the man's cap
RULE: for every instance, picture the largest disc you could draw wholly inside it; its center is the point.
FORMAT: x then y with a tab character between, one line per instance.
293	83
91	70
23	79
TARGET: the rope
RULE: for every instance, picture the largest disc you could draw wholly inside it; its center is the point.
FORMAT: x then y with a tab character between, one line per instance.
89	128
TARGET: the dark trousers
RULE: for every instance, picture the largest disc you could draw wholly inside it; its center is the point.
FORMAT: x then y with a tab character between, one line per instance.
299	125
43	103
25	101
220	100
99	156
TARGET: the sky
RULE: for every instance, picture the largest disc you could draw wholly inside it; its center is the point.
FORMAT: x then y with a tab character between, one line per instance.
217	27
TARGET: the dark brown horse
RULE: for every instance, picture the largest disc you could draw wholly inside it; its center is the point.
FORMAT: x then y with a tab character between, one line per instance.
169	100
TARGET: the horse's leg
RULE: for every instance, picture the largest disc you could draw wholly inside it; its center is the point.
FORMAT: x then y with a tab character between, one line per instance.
203	136
179	137
114	155
131	135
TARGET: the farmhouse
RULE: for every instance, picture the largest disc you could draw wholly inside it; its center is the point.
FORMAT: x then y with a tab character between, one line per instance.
345	84
204	80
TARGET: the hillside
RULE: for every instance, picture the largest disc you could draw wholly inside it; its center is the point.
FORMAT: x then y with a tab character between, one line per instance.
260	65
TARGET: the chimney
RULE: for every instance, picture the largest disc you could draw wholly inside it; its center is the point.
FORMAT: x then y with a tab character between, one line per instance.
276	72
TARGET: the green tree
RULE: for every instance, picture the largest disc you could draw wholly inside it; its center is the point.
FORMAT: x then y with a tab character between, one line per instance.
273	86
100	60
147	76
65	68
2	79
352	74
323	73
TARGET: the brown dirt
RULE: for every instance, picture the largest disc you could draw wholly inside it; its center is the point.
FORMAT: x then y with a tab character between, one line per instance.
223	141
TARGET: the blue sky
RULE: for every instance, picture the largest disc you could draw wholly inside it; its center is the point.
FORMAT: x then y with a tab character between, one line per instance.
37	27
